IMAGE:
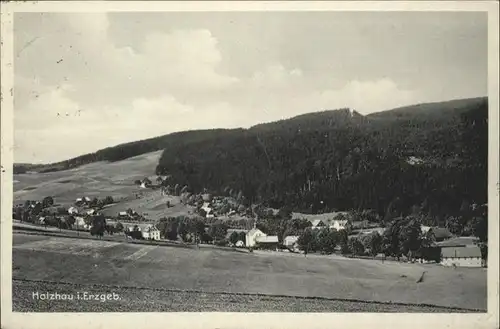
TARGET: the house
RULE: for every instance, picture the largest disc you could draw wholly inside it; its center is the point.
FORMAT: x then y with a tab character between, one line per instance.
122	214
252	235
91	212
208	210
80	223
425	229
440	233
318	224
73	210
412	160
461	256
339	224
290	241
379	230
461	241
151	232
267	242
146	182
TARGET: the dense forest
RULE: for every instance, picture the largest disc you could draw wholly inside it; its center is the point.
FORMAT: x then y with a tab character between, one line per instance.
430	158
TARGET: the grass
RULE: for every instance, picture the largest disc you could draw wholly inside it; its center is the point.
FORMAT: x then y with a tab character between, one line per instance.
101	179
77	261
164	300
97	179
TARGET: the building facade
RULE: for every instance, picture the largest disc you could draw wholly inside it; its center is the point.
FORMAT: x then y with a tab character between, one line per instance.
469	256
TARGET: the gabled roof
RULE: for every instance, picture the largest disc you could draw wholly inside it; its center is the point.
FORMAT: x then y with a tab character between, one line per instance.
151	228
425	229
253	231
460	241
461	252
317	222
267	239
441	233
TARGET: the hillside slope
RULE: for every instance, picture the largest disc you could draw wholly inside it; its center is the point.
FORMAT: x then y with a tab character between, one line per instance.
330	160
97	179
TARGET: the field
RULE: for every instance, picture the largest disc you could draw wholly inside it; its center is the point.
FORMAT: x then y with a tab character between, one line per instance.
97	179
176	279
101	179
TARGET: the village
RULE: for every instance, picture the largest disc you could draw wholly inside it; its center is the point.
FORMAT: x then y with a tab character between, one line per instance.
223	221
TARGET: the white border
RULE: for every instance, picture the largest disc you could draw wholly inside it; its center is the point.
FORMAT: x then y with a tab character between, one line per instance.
242	320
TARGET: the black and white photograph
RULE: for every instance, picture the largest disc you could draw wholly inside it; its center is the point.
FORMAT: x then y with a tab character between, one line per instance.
243	161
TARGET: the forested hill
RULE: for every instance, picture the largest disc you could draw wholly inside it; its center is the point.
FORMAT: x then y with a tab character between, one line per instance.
431	156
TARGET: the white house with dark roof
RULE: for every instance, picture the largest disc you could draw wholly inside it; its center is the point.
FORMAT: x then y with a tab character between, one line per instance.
318	224
467	256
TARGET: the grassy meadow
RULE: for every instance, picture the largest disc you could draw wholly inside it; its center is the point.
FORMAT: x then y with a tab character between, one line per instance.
217	272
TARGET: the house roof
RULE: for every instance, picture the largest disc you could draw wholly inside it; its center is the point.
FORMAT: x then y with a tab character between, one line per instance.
425	229
461	252
441	233
317	222
458	242
267	239
290	239
253	231
150	228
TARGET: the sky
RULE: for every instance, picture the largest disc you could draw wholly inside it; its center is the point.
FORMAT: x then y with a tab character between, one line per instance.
83	82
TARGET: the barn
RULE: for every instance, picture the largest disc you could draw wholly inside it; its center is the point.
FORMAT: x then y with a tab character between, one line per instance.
465	256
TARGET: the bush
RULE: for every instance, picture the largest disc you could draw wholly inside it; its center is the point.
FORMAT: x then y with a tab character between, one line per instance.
221	243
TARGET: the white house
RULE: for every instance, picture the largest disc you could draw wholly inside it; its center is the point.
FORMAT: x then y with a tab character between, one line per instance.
73	210
252	235
80	223
208	210
290	241
468	256
151	232
339	224
425	229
